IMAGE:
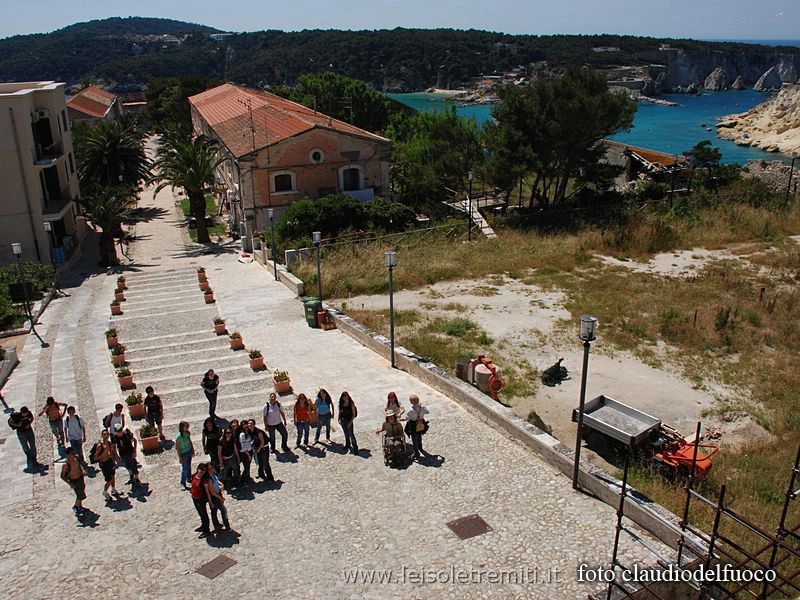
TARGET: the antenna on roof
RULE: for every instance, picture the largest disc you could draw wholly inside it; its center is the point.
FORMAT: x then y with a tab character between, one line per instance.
249	104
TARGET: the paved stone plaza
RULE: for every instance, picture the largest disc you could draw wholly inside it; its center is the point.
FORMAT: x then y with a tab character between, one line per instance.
328	514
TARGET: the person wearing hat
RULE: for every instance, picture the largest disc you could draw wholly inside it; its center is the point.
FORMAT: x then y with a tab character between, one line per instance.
22	423
416	425
126	445
393	432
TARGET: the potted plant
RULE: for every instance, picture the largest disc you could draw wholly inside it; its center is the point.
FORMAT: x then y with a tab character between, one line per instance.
283	384
149	436
219	325
116	309
204	285
136	407
208	296
119	295
256	359
118	355
201	274
111	338
125	378
237	343
121	283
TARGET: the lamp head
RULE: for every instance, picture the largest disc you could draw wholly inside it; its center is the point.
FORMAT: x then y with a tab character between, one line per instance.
391	258
271	213
587	330
469	175
16	248
317	237
48	226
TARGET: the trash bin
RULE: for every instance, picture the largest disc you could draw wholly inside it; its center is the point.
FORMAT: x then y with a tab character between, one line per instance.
312	305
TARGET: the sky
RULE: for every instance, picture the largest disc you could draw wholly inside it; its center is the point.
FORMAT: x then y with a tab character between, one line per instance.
702	19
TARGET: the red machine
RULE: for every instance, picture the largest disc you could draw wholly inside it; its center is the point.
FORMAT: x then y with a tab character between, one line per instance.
676	453
482	373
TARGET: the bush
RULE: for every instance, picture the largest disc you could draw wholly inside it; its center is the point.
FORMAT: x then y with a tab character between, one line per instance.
387	216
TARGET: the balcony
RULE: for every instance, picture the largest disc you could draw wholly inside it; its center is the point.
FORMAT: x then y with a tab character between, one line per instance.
44	157
54	207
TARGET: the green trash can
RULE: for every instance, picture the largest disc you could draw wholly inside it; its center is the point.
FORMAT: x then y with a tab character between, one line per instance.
312	305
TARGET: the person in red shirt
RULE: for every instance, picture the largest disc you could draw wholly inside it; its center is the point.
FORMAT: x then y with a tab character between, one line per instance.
302	419
201	499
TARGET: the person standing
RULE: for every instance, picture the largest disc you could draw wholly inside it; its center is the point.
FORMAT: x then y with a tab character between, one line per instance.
155	410
76	433
261	450
245	453
126	453
22	423
105	453
228	456
217	499
416	425
200	499
324	406
55	416
393	404
111	420
72	474
275	420
210	438
347	414
302	419
185	450
210	387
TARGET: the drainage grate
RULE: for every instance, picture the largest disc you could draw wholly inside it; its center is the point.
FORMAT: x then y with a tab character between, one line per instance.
216	567
155	258
469	526
2	441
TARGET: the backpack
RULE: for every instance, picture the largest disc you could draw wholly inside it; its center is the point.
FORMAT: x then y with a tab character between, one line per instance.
93	453
13	421
107	420
197	488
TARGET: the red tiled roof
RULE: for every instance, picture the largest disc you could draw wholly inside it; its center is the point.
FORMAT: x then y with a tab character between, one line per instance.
92	101
226	109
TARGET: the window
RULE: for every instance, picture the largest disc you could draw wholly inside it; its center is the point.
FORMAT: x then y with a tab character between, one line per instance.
316	156
283	182
71	164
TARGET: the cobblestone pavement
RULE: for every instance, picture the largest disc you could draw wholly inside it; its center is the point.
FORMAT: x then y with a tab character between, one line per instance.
328	515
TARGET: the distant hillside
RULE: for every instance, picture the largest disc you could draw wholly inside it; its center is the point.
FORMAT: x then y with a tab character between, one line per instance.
117	52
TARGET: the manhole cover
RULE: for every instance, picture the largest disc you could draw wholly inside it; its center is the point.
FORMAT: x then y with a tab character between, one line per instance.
216	567
2	441
155	258
469	526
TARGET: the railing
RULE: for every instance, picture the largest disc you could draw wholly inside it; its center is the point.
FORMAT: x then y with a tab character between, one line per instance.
49	153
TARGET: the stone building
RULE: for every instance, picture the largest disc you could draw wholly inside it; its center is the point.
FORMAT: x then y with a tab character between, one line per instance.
92	105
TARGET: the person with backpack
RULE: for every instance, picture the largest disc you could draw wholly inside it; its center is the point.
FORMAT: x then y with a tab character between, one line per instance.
416	426
228	456
324	406
302	419
347	414
22	423
185	449
55	416
210	437
200	498
76	433
104	453
261	450
72	474
275	420
214	489
126	445
210	386
155	410
245	453
111	420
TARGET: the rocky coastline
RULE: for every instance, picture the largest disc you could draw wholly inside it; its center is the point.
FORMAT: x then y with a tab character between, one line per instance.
773	125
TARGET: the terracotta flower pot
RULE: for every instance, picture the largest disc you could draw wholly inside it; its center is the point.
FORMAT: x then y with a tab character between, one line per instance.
257	363
150	444
237	343
282	387
219	328
126	382
136	411
116	310
118	360
121	285
119	296
204	285
209	298
112	341
201	277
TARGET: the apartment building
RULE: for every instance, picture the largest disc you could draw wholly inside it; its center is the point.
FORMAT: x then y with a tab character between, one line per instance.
38	174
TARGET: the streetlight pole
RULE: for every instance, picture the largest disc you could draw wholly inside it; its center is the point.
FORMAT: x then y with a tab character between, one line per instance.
791	172
588	325
390	264
271	213
469	206
317	237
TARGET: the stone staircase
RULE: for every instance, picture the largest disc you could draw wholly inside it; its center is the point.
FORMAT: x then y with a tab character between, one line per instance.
168	331
477	218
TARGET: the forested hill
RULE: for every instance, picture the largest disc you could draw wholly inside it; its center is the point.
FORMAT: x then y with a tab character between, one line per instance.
116	52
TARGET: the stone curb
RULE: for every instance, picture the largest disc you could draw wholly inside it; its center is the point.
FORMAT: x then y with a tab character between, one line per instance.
25	330
8	364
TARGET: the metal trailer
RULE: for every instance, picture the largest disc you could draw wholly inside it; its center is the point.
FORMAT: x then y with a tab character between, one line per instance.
622	423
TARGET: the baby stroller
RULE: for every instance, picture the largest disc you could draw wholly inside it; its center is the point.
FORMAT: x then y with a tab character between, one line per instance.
394	453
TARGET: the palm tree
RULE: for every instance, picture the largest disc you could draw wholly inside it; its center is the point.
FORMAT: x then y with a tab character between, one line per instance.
189	164
111	154
108	209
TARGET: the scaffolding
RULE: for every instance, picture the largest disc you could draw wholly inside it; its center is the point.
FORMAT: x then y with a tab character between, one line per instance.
774	565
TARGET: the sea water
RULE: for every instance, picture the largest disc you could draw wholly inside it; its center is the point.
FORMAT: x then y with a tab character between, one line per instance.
670	129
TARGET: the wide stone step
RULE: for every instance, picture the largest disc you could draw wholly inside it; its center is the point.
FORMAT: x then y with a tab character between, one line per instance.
162	295
144	359
172	339
229	386
159	275
198	413
190	378
164	315
181	364
184	401
131	309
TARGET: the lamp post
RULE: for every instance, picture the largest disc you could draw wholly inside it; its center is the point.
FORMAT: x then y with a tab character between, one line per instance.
469	206
48	227
791	172
588	326
16	248
391	261
317	237
271	213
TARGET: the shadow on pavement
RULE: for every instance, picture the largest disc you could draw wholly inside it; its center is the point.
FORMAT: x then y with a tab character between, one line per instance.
119	504
88	519
224	539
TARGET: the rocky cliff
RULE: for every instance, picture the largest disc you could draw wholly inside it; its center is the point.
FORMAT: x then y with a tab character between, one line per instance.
773	125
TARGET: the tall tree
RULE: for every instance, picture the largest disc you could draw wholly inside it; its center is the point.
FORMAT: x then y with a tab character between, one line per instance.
111	154
107	209
188	163
552	128
167	100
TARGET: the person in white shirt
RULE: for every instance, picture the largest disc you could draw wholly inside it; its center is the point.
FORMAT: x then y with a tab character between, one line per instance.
416	425
245	453
76	433
275	419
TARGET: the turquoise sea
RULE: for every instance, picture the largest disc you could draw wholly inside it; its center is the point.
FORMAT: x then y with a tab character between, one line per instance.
665	128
